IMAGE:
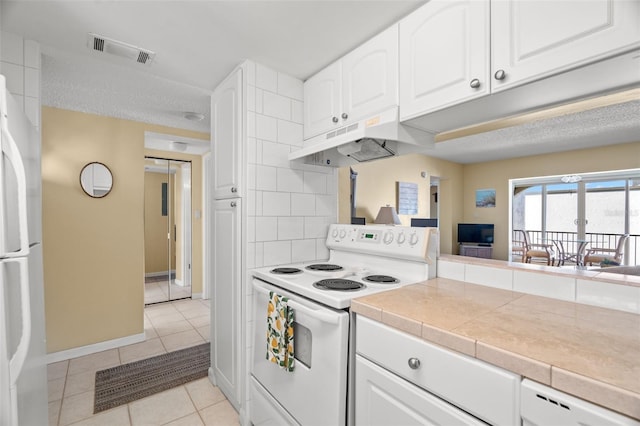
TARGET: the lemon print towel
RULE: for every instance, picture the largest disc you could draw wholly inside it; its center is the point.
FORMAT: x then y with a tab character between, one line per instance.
280	332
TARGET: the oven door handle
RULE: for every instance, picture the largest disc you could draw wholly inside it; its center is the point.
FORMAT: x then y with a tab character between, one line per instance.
319	314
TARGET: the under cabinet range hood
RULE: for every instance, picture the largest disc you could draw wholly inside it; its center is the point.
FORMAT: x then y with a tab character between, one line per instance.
375	137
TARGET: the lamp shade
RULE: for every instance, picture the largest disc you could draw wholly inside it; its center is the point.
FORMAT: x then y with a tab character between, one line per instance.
387	215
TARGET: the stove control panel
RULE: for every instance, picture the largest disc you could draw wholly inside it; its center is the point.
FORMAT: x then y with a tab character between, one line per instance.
410	243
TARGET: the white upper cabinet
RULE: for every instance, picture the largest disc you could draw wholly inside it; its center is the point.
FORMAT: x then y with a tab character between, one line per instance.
534	39
446	46
226	138
363	82
443	55
323	100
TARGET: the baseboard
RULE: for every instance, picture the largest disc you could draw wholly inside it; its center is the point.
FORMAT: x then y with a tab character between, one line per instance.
96	347
196	295
159	274
212	377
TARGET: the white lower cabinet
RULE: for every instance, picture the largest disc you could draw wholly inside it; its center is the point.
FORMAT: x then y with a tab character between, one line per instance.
435	382
382	398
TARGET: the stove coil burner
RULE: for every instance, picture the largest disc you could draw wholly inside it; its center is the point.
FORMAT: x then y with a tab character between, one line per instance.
324	267
381	279
339	284
286	271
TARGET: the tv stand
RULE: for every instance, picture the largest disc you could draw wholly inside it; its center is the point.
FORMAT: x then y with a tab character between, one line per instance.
484	251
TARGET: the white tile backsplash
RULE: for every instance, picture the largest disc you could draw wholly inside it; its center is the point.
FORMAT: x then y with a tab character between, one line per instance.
303	250
266	228
554	286
297	112
251	150
315	227
277	253
291	228
266	128
608	295
266	78
251	229
32	110
290	180
251	98
315	183
303	205
290	133
322	252
266	178
277	106
326	205
259	97
251	202
276	204
275	154
290	87
251	124
488	276
251	176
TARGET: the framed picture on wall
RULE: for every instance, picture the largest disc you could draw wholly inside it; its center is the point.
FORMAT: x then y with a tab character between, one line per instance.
485	197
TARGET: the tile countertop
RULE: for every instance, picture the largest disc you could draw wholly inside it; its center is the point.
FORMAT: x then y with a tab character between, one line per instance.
590	352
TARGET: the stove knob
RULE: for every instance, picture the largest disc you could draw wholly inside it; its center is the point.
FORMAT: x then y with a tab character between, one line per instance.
334	233
413	239
401	238
388	237
343	233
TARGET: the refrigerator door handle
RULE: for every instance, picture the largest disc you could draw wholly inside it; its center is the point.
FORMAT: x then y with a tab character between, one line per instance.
16	362
13	154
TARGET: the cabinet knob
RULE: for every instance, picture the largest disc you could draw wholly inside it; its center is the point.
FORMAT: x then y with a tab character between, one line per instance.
345	116
334	119
233	204
500	75
234	189
475	83
414	363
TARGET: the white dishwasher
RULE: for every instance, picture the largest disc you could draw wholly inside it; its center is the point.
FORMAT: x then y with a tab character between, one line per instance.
541	406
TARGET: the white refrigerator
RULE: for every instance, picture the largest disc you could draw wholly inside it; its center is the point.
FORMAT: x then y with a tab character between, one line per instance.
23	369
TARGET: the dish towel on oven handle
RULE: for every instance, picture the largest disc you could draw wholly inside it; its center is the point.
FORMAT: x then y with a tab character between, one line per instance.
280	332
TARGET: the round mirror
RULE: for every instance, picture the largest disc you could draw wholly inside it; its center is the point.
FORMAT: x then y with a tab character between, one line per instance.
96	180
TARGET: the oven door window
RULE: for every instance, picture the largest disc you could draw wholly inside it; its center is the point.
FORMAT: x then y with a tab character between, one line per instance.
302	344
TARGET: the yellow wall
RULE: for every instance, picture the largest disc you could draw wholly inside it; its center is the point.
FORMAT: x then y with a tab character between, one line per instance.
93	248
496	174
376	186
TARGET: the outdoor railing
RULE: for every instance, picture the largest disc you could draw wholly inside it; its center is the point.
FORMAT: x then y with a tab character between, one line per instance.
631	254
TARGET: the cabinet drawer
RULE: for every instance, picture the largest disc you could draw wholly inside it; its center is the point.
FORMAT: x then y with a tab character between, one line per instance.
483	390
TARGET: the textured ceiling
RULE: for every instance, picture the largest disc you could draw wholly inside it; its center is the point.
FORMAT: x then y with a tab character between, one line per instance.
197	43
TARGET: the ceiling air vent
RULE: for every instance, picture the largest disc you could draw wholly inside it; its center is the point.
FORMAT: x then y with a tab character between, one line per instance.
103	44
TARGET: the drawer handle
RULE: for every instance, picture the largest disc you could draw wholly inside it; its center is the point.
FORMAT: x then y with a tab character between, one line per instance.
414	363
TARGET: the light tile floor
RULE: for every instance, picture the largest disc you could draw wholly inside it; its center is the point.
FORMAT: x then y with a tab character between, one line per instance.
168	327
158	291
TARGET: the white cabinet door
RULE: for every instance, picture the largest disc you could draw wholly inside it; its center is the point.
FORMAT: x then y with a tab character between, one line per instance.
226	136
444	55
383	398
322	101
532	39
225	315
370	77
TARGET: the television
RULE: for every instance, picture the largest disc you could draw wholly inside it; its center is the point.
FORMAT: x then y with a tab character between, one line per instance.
424	223
475	233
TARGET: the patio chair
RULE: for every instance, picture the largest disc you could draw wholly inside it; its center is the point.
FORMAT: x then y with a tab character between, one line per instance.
599	255
518	245
545	252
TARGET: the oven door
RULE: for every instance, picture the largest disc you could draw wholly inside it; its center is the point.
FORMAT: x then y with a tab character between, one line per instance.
315	392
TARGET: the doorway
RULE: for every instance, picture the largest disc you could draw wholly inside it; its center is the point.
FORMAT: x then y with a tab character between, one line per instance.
167	230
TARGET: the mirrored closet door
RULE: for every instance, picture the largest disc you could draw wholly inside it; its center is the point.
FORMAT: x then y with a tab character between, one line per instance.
167	230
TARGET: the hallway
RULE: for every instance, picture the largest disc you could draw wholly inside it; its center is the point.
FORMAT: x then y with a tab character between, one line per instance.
168	327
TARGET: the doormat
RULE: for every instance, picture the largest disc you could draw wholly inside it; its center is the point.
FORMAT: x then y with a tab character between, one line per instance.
129	382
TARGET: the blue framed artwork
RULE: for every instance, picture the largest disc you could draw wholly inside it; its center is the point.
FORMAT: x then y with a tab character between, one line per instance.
485	197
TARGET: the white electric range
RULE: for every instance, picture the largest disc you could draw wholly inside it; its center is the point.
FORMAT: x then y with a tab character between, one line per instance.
363	260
